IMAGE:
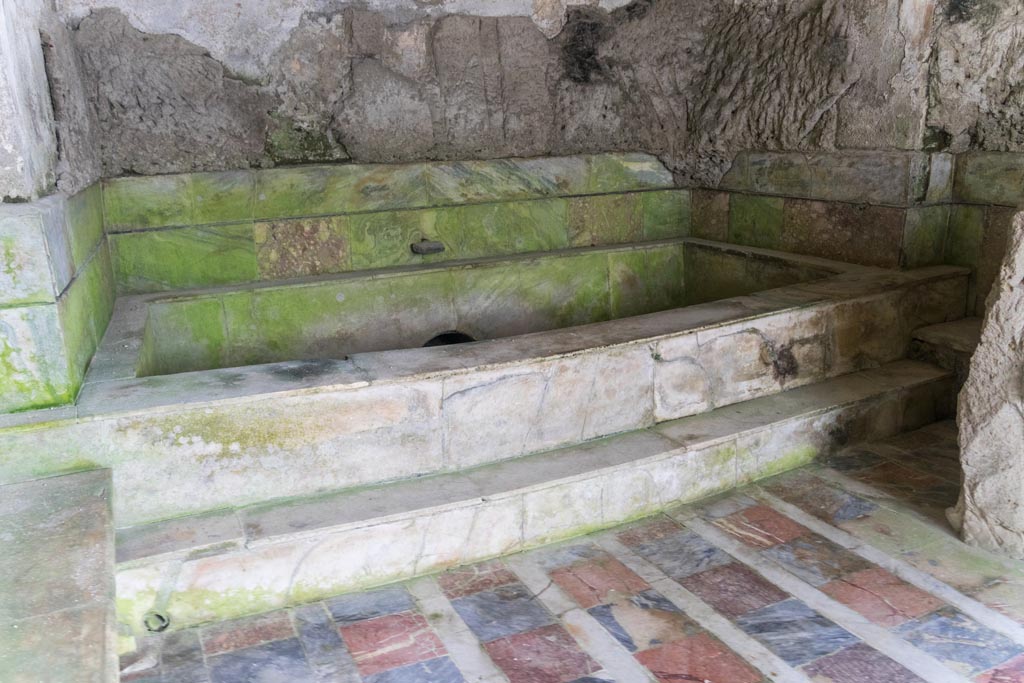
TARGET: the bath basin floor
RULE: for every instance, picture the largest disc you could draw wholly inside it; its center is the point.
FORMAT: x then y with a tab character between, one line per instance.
842	571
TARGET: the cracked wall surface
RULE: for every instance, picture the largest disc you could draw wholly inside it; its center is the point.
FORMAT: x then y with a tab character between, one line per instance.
387	81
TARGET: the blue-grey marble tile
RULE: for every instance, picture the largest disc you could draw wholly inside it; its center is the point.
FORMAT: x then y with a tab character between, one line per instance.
440	670
181	657
816	559
959	641
649	600
502	612
605	616
348	609
682	554
851	507
325	650
795	632
281	661
556	558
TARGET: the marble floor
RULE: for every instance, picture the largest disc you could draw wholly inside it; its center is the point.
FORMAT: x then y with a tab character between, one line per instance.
841	572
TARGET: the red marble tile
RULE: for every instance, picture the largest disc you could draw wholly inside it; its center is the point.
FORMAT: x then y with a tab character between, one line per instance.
544	655
859	664
733	589
761	526
465	581
238	633
882	597
646	533
593	582
1010	672
697	658
391	641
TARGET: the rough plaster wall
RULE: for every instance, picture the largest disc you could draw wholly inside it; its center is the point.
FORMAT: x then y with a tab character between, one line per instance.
28	147
694	82
991	417
977	80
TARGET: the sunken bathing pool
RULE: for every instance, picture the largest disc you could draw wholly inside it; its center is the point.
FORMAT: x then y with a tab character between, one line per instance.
288	332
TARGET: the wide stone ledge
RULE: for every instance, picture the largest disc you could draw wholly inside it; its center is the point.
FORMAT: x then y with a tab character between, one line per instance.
268	556
242	435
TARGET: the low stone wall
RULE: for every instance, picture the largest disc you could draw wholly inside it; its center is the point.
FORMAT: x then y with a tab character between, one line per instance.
56	297
208	229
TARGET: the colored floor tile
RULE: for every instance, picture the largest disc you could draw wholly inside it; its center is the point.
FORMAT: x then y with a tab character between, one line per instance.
1010	672
502	612
815	497
440	670
958	641
734	589
240	633
859	664
282	661
697	658
463	581
325	651
761	527
795	632
544	655
594	581
348	609
391	641
881	596
644	621
674	550
816	560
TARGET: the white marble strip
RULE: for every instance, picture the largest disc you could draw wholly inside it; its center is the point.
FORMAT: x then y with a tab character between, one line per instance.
926	582
463	647
922	664
753	652
592	637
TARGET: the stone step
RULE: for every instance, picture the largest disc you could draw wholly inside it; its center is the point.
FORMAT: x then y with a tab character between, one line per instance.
57	618
949	345
243	561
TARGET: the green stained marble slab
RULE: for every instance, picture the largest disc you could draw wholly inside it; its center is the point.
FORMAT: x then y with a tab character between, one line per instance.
33	366
25	275
623	172
84	309
141	202
482	230
605	219
186	334
924	236
379	240
646	280
183	258
223	197
492	181
85	223
989	178
756	221
666	214
316	190
966	230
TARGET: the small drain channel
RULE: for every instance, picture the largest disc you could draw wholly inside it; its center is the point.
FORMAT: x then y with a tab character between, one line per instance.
448	338
155	622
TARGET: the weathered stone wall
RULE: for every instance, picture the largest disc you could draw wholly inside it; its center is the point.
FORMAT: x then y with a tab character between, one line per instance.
991	508
693	82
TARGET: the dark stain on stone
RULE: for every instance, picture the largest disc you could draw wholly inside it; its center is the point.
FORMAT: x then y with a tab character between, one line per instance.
961	10
936	139
783	362
583	33
305	369
637	10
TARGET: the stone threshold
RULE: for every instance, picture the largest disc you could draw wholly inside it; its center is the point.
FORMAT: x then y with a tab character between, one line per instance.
234	562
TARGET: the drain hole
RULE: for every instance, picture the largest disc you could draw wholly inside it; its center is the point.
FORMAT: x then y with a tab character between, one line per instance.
449	338
156	622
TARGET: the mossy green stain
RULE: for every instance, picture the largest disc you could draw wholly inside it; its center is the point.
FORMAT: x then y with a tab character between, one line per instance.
756	221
